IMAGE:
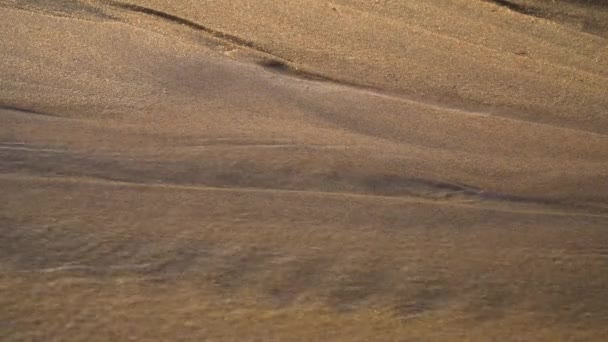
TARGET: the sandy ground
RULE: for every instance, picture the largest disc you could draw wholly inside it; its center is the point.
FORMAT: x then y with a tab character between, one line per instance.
303	170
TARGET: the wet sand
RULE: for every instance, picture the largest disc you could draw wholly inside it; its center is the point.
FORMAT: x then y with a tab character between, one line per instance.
304	170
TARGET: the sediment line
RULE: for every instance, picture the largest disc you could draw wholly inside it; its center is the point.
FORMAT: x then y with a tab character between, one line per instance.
26	110
201	187
186	22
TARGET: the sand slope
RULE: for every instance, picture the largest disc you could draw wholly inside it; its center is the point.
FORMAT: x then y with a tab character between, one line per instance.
303	170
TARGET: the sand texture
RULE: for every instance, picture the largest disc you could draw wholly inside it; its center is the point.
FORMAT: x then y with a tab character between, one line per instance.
303	170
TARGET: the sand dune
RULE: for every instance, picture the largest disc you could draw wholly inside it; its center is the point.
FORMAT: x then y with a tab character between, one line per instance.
303	170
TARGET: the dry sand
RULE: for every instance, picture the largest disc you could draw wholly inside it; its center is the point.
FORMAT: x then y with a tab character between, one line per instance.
303	170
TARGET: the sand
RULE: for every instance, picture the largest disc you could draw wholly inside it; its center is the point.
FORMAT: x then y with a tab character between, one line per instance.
303	170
